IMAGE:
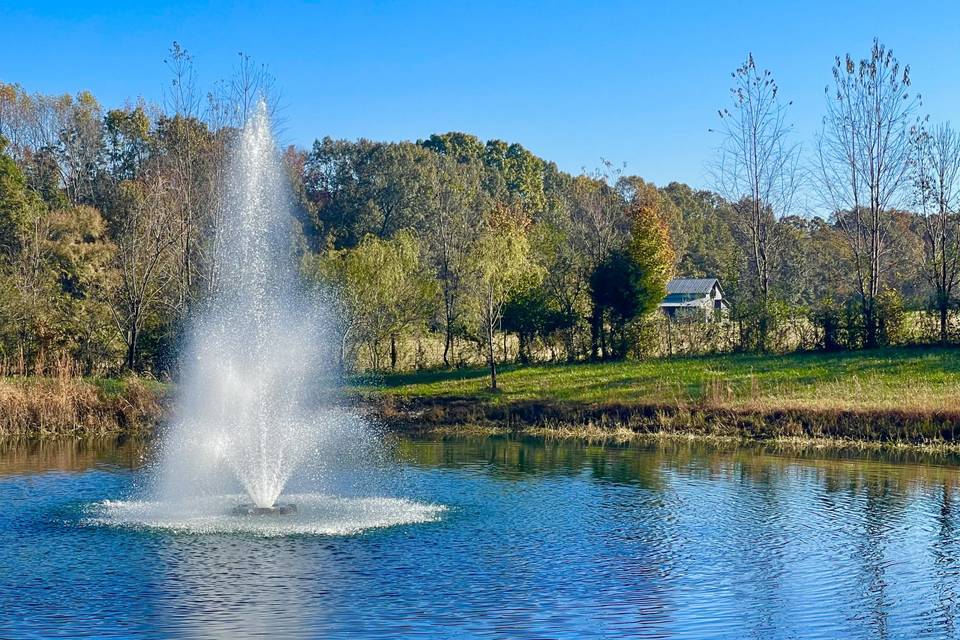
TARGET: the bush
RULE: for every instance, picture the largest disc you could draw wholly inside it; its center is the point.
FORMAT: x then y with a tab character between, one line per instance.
827	317
891	328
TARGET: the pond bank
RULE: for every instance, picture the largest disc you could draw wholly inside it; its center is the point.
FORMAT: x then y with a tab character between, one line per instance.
938	430
79	407
904	395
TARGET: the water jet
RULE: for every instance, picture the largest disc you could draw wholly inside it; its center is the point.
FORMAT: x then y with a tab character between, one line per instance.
258	415
259	373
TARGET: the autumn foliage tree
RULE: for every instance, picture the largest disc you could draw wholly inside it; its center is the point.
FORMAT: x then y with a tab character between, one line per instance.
631	281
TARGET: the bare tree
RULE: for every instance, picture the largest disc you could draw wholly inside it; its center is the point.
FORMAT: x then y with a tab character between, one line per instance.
232	101
757	171
145	260
864	157
251	82
451	232
181	97
80	148
937	190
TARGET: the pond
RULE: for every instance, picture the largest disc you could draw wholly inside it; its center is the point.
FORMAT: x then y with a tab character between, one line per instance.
537	539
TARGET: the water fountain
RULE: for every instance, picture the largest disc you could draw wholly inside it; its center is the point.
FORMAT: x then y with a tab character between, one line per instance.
256	395
256	372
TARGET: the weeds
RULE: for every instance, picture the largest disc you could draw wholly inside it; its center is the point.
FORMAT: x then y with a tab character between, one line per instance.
66	405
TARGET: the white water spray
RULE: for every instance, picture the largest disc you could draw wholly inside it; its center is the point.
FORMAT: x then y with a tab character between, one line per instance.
254	411
256	369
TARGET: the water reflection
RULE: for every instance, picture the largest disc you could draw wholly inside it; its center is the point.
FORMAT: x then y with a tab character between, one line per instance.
68	454
556	539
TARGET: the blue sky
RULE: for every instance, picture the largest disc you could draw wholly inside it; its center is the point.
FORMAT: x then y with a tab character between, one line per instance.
631	82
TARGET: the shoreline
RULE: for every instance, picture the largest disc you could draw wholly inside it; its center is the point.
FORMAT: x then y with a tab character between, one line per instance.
76	408
860	429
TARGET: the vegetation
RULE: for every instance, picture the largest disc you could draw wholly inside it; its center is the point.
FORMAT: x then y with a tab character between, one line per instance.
454	251
37	407
923	379
893	396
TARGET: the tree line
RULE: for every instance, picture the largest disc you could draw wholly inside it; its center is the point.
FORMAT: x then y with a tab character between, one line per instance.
451	249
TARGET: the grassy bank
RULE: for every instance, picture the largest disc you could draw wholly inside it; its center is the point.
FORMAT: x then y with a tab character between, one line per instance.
67	406
905	394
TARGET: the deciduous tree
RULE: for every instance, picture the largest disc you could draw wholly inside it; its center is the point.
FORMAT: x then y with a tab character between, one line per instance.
863	159
937	188
757	171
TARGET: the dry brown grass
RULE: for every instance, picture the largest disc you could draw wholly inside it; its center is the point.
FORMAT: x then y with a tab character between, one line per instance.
69	406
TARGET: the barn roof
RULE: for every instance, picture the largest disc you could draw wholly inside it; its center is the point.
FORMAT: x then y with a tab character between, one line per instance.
701	286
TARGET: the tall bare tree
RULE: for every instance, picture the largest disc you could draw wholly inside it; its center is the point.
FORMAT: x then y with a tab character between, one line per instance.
145	259
864	158
757	171
451	232
937	191
80	148
181	98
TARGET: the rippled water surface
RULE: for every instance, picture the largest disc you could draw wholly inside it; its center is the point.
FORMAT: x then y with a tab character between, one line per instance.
516	539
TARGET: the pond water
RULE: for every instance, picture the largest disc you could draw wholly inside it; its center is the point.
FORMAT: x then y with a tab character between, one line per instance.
537	539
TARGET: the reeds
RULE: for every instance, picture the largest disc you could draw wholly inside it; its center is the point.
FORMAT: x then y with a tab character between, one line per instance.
72	406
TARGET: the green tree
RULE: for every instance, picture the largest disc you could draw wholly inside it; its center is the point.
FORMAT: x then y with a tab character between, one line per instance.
631	281
533	313
382	291
127	141
516	176
18	205
598	224
463	148
76	254
499	265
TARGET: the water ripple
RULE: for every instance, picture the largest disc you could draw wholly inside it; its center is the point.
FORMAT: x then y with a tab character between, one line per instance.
536	539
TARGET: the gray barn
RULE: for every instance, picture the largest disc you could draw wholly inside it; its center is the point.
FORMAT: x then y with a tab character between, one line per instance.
694	299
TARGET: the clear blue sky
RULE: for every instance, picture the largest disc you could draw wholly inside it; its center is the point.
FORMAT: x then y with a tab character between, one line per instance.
631	82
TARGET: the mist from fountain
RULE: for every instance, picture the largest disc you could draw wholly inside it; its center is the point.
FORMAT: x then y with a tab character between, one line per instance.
256	368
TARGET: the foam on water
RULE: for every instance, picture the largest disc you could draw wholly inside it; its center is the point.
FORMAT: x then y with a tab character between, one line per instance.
317	514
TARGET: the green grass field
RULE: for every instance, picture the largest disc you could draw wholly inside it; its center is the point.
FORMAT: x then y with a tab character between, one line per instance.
902	378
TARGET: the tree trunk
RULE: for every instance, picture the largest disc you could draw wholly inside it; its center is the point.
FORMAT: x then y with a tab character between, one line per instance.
622	355
393	352
568	346
447	345
764	327
869	324
596	323
944	317
604	350
490	358
132	336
